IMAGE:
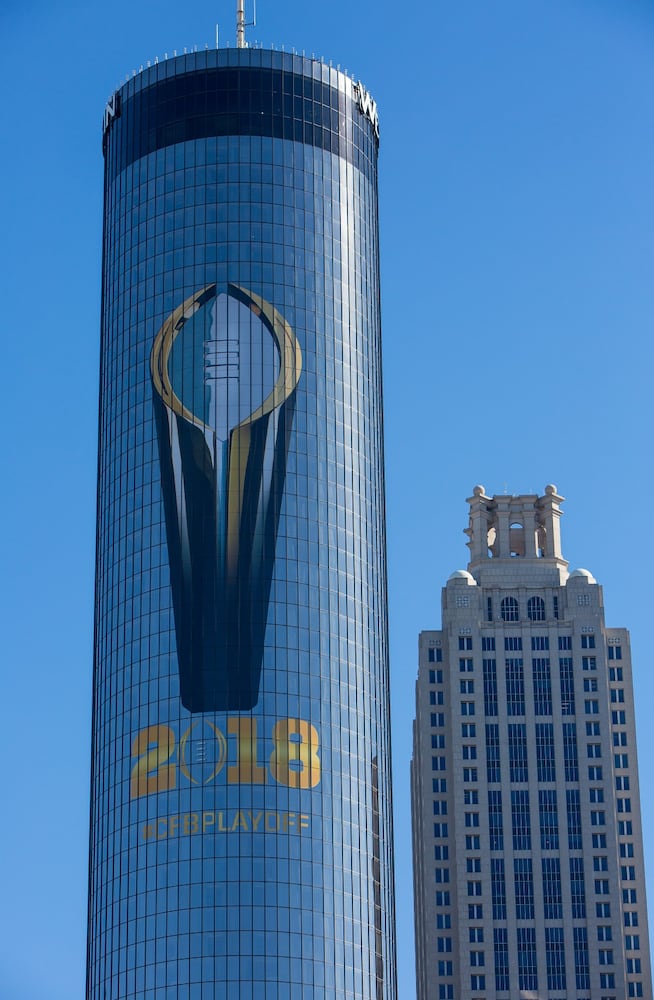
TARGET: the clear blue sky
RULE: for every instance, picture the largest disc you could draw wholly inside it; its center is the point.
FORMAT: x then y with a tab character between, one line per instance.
517	209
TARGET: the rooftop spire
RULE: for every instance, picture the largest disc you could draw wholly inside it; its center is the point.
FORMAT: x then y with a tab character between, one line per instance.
240	24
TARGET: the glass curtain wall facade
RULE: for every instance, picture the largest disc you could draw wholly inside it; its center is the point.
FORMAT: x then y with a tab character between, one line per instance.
240	802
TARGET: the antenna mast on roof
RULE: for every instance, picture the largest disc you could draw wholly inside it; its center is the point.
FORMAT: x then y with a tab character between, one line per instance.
240	24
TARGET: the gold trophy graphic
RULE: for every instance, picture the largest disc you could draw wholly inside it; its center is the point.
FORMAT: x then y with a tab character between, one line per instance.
224	366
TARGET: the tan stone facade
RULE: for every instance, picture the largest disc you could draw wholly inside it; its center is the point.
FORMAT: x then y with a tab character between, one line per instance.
528	862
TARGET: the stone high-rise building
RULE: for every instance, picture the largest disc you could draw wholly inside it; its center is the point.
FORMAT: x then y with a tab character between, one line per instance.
528	858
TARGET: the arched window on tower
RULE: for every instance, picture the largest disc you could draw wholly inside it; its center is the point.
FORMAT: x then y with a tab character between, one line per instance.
517	539
510	610
536	609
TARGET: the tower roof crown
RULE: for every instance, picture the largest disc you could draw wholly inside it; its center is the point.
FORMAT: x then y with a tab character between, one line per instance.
518	534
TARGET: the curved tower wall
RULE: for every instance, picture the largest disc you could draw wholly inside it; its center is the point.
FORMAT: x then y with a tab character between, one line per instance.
240	814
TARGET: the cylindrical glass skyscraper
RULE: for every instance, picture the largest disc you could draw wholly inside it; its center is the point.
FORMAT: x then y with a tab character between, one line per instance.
241	811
